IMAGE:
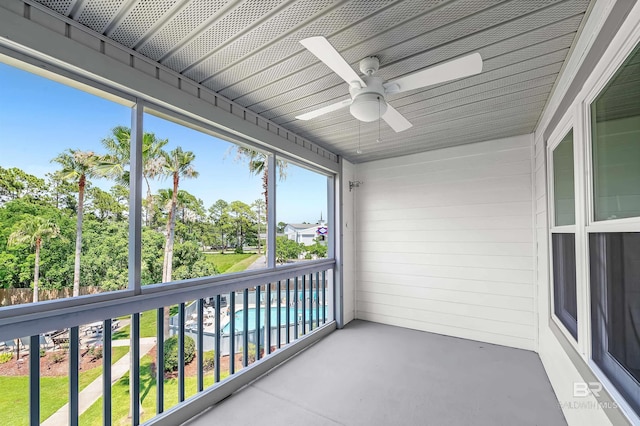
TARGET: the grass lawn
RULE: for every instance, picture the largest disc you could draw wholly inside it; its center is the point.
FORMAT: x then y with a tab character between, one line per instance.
147	327
232	262
54	392
120	395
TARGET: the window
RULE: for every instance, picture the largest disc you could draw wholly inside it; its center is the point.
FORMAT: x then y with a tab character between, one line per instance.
614	247
615	122
615	310
209	226
563	238
51	175
301	214
563	182
564	281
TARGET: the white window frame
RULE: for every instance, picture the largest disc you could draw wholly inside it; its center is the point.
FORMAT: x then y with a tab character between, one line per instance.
566	124
627	39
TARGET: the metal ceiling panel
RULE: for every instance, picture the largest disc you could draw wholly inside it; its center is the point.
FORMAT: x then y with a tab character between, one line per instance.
488	51
61	6
249	51
425	59
193	15
217	35
386	27
256	37
98	14
142	17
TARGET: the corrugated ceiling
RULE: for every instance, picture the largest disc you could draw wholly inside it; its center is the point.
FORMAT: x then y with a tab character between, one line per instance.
249	51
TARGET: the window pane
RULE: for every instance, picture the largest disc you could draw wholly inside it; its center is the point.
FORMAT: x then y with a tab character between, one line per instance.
615	120
199	211
52	175
615	310
301	214
564	281
563	178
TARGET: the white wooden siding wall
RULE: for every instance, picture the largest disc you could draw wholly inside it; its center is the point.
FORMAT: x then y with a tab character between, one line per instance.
445	242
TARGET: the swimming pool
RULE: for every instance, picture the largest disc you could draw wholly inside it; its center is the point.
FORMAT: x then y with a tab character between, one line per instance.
293	318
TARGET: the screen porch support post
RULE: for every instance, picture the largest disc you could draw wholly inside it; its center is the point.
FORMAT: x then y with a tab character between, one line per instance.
271	211
135	251
334	249
135	197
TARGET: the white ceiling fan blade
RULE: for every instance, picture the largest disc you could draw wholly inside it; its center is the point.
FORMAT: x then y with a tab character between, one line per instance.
324	51
457	68
324	110
395	120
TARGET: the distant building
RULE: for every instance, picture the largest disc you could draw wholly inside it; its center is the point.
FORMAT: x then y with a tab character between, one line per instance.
306	233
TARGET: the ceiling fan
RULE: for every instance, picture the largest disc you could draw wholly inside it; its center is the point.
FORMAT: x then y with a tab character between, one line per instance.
368	92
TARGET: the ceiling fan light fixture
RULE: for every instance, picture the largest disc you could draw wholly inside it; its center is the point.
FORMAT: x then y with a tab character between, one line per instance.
368	107
368	92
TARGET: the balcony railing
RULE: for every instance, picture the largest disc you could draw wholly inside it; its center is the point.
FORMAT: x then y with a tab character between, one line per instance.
262	315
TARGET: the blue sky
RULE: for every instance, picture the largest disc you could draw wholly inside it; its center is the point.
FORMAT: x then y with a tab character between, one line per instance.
40	118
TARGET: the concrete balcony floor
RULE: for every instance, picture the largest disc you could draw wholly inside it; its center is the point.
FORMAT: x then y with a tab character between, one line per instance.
373	374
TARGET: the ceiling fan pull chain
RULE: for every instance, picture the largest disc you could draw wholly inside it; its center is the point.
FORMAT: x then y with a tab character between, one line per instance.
358	151
379	118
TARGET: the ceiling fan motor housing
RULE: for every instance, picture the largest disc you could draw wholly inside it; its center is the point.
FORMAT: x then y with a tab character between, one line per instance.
368	102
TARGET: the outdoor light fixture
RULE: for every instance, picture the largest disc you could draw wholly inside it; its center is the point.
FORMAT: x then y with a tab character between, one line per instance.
354	184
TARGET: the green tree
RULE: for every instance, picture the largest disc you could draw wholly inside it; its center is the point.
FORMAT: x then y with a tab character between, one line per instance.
317	248
242	220
287	249
16	183
61	191
219	214
190	262
260	209
117	162
178	164
259	165
280	227
34	231
77	166
105	256
104	205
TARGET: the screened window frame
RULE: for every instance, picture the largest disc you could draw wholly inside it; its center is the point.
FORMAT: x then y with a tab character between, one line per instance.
139	105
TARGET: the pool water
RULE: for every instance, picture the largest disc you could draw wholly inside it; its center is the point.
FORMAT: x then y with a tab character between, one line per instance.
239	318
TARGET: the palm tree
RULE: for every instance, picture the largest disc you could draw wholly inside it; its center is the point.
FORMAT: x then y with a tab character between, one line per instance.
34	231
115	164
177	164
261	208
77	166
258	164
